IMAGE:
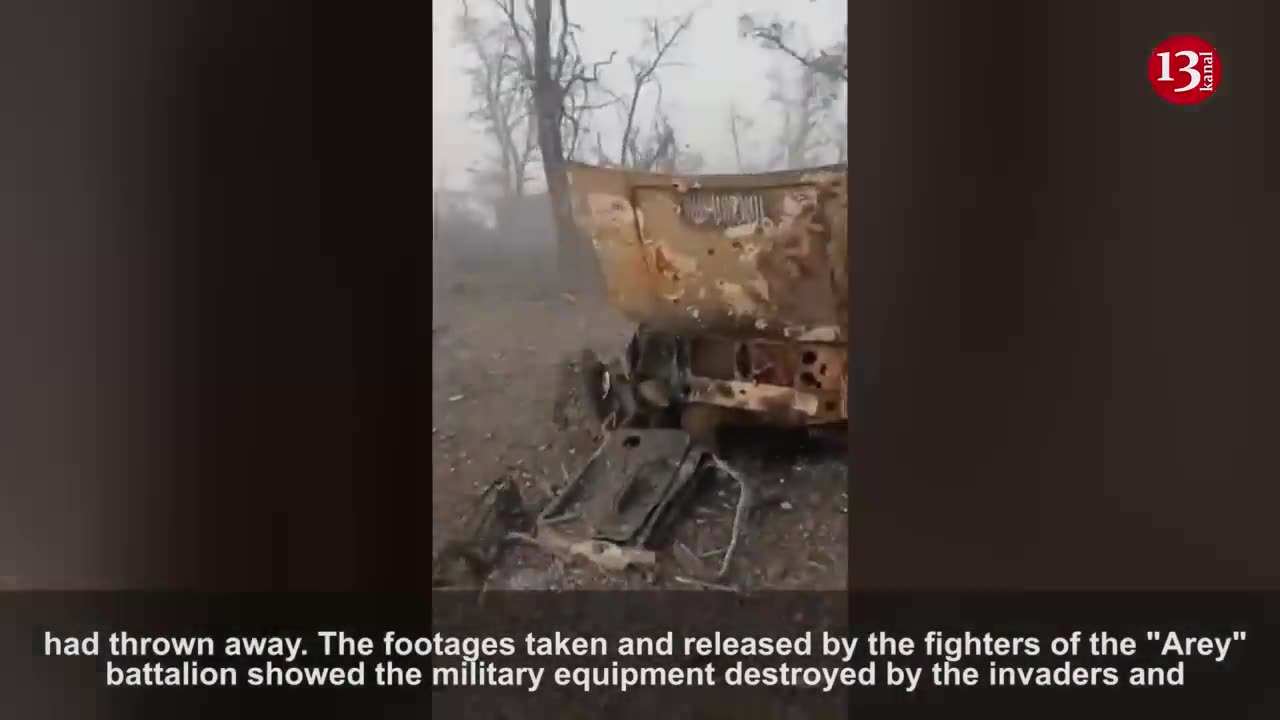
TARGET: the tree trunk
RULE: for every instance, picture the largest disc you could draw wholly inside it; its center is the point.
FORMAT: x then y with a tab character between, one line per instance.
575	274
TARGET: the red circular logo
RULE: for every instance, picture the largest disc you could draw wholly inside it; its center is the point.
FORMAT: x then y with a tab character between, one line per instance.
1184	70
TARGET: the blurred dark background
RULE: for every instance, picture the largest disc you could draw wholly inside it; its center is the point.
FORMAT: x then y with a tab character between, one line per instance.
1064	303
213	219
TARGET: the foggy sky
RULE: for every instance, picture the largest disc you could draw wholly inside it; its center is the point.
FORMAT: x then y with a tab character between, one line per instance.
718	68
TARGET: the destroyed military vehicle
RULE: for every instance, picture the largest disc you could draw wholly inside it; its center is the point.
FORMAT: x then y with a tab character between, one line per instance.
738	287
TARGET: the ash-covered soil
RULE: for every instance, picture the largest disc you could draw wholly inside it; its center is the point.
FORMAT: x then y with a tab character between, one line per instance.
501	340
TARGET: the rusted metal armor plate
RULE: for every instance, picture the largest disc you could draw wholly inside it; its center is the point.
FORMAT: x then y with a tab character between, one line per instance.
737	255
751	269
633	480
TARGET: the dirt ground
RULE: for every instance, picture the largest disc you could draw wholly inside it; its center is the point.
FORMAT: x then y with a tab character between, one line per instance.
500	343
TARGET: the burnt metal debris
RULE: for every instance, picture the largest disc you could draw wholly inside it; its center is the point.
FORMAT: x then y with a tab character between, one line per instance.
738	285
627	490
632	489
738	288
498	512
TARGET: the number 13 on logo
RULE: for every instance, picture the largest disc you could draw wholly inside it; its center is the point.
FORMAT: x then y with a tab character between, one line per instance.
1184	70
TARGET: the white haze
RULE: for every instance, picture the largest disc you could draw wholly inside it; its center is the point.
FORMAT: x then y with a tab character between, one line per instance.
717	68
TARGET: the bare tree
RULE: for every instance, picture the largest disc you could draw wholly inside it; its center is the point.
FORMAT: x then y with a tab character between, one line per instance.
504	102
660	37
831	62
661	151
653	146
546	53
657	150
811	119
739	126
806	108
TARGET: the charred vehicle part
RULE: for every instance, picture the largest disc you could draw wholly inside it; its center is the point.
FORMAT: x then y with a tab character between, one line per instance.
737	285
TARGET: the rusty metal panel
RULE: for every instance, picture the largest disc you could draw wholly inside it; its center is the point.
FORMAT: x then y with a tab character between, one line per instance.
787	382
736	255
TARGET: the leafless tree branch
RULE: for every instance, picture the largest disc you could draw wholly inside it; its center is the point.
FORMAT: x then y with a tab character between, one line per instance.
519	34
833	63
502	96
662	36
